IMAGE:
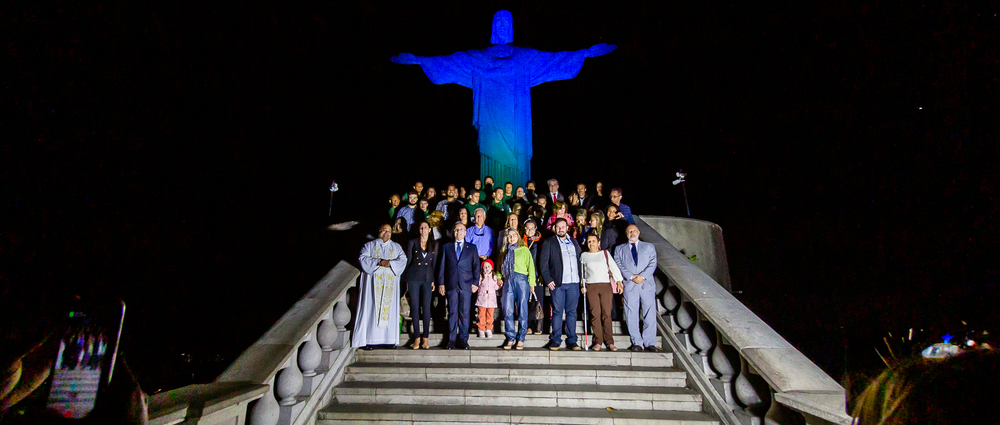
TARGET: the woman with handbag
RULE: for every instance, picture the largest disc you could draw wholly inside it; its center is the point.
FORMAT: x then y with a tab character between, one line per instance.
601	279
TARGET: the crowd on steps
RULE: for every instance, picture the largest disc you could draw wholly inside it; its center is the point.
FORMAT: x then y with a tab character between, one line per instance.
512	255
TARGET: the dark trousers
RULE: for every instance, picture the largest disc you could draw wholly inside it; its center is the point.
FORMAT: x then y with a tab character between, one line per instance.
420	297
565	298
459	306
599	304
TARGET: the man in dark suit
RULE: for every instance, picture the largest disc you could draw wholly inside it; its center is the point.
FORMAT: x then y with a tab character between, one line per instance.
559	261
458	272
554	194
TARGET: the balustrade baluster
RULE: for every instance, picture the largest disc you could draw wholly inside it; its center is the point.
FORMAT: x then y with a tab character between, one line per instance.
685	319
327	333
723	366
309	356
266	410
703	339
752	392
326	336
341	316
289	382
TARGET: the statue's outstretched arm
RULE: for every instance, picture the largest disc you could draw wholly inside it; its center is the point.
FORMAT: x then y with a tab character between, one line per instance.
410	59
597	50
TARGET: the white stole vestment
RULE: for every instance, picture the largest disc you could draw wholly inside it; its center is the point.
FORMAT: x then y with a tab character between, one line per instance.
377	321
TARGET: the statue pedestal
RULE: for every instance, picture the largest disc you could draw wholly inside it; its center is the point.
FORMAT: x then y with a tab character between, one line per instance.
518	174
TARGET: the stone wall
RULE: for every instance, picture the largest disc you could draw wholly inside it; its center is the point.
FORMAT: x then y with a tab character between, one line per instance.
696	237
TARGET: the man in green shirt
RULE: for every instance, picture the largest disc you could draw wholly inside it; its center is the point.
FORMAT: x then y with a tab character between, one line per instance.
474	203
496	214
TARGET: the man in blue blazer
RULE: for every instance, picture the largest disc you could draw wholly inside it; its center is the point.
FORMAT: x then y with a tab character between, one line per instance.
559	262
637	261
458	272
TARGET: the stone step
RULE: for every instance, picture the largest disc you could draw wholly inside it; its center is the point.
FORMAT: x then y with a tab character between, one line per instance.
498	340
412	414
617	328
538	356
519	395
517	374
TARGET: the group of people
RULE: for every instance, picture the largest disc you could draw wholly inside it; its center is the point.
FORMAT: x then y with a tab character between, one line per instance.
518	246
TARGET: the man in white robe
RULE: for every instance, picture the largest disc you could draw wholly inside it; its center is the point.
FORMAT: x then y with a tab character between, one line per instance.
382	263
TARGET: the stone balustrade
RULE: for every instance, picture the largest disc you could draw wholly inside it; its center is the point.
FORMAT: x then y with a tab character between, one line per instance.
748	373
284	377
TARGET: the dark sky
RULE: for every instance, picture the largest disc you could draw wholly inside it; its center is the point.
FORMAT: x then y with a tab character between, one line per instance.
178	155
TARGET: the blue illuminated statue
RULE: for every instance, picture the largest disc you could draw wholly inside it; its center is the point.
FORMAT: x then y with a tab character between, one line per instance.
501	77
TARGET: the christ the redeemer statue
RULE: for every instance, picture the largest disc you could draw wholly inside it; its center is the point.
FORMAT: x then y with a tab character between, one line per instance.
501	77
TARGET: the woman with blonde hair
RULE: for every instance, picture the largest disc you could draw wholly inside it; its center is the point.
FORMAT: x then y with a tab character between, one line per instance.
607	235
580	230
434	220
518	270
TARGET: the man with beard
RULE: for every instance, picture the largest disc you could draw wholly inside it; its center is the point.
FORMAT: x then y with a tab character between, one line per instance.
450	204
560	265
408	210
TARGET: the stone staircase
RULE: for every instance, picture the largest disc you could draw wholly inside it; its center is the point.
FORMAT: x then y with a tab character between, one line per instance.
486	384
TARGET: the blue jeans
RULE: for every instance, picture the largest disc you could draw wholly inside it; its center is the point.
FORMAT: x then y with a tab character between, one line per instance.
565	299
515	297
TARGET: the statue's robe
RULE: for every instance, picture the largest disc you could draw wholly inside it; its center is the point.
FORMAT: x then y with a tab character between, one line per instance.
377	321
501	77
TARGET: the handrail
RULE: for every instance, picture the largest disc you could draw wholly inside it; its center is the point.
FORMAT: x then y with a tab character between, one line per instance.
298	360
706	320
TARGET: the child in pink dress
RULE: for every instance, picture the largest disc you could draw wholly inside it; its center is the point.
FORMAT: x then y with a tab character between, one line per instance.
486	302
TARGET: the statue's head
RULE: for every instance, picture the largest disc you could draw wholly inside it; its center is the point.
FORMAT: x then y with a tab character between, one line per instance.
503	28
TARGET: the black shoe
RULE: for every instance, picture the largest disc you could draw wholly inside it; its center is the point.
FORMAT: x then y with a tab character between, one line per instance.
652	349
636	348
462	346
368	347
390	346
451	346
573	347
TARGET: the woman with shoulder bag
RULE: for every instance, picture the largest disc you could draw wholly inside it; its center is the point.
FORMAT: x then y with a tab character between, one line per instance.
601	279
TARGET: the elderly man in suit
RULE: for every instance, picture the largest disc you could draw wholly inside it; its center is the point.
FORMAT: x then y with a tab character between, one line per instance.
554	194
559	261
458	273
637	261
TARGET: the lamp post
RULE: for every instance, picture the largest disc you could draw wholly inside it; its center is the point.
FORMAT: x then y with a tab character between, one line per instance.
333	188
680	181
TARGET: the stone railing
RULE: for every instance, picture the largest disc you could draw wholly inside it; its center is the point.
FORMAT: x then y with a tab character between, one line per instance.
283	378
747	373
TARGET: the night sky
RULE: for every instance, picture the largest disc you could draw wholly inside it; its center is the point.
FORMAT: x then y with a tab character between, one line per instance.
178	156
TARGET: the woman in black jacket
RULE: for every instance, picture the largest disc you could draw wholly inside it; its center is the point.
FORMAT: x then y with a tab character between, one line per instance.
419	276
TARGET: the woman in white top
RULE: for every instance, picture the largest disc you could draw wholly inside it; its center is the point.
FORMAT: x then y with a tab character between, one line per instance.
601	279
